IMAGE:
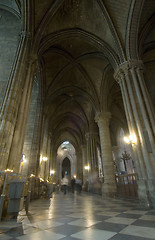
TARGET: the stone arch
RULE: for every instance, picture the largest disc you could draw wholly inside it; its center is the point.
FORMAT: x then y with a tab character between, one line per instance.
72	160
104	86
112	29
9	41
83	93
78	66
66	167
52	38
13	8
46	19
143	34
132	29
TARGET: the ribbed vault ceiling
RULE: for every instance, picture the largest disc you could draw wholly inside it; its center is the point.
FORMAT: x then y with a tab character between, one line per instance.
79	44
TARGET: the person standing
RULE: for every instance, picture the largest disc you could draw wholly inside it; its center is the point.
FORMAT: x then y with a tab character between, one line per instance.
78	183
65	184
58	186
72	184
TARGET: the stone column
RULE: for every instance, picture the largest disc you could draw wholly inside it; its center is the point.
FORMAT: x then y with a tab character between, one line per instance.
84	163
55	164
44	147
49	154
109	185
34	156
141	123
32	138
54	159
116	152
79	164
92	157
22	115
59	167
12	100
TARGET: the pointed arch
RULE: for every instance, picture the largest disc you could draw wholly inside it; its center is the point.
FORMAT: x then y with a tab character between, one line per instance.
97	42
113	30
132	27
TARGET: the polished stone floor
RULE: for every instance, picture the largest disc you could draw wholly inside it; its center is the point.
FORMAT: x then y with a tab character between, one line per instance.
85	217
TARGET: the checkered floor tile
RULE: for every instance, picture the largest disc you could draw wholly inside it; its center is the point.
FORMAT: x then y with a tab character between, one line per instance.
85	216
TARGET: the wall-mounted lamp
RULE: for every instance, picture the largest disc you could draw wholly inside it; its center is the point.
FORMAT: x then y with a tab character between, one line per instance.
41	179
44	159
8	170
23	158
130	139
52	171
32	175
86	167
41	159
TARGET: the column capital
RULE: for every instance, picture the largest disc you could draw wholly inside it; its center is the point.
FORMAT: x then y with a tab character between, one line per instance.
32	58
25	34
90	134
124	68
83	146
115	148
102	117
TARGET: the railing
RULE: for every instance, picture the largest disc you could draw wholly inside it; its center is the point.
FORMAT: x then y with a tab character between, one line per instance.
127	185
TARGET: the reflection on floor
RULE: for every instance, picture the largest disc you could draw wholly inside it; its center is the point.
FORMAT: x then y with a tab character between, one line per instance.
85	216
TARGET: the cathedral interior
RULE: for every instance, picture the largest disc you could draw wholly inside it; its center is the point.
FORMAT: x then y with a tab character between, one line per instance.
77	99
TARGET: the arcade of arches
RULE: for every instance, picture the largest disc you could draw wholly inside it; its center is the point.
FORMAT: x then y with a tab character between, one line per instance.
76	77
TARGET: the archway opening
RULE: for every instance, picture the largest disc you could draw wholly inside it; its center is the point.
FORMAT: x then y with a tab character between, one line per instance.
66	168
66	160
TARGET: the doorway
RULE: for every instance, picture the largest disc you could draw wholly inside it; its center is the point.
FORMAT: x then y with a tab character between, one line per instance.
66	168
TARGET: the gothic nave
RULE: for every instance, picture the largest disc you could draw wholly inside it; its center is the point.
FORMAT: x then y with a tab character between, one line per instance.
77	99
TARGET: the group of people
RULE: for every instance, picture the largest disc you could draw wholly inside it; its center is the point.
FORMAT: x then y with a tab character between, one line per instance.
75	184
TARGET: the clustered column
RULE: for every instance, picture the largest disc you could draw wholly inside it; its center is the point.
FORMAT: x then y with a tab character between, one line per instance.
34	156
92	152
109	185
20	127
18	88
141	123
79	164
116	151
84	163
45	158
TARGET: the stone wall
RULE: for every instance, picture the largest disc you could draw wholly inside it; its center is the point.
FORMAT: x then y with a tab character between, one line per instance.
9	38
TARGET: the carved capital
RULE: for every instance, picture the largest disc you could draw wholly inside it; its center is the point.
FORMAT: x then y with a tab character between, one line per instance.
32	58
134	64
124	68
115	149
83	147
119	74
90	135
102	117
25	34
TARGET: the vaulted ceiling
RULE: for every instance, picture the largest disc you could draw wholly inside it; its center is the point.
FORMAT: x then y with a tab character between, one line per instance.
77	53
79	44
